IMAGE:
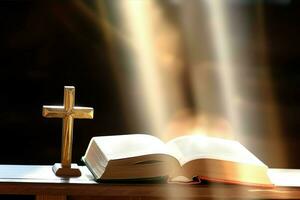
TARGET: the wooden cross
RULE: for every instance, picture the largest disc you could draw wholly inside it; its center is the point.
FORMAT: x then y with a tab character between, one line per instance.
68	112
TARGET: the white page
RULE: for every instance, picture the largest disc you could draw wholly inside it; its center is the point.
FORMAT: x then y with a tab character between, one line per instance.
187	148
124	146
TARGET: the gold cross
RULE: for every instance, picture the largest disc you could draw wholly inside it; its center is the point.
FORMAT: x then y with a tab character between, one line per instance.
68	112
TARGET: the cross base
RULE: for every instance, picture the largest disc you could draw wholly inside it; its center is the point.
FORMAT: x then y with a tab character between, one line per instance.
68	172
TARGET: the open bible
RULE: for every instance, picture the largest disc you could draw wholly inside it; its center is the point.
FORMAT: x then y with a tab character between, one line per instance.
142	156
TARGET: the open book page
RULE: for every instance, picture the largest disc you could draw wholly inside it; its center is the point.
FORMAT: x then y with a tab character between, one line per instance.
126	146
188	148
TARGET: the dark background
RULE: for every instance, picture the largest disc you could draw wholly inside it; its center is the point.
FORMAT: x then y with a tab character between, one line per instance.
44	46
48	44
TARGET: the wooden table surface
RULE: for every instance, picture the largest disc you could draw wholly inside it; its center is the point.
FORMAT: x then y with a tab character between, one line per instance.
40	181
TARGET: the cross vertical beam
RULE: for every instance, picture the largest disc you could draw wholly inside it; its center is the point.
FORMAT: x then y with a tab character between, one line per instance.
67	131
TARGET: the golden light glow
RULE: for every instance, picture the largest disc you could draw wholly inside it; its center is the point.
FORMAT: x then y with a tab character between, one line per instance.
225	66
155	63
158	67
147	83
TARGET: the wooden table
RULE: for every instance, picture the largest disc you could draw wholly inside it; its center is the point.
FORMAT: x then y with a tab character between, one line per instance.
41	182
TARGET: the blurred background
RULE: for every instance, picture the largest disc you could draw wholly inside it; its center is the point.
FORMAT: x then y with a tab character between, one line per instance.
168	68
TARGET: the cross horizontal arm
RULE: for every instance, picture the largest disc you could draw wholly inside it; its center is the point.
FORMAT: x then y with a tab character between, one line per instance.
83	112
54	111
